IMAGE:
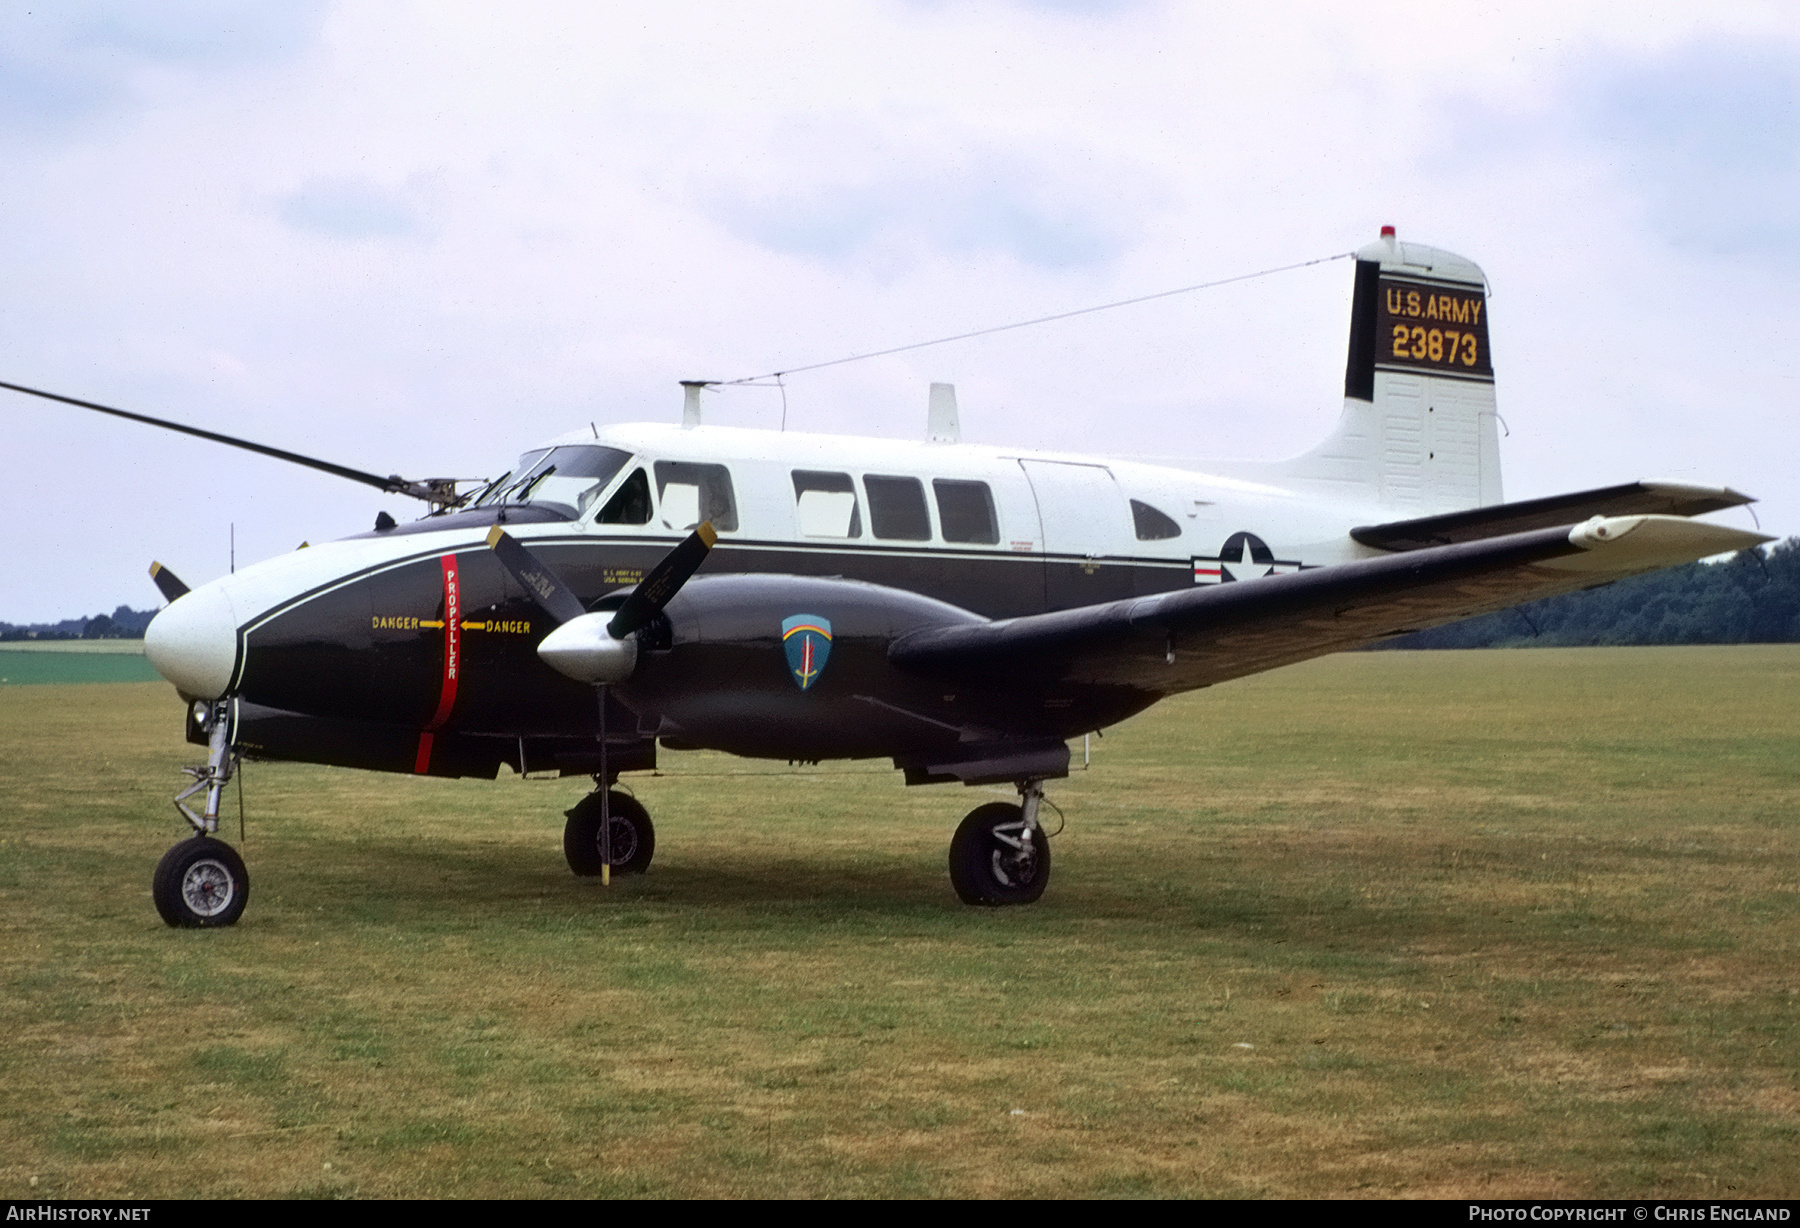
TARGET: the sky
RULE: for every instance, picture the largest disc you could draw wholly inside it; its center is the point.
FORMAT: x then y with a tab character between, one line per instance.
420	238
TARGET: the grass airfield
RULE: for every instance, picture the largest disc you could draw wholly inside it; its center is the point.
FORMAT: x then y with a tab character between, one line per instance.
1489	924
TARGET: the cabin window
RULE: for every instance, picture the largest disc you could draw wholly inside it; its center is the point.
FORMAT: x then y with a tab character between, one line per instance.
630	503
966	511
826	504
897	509
690	493
1152	525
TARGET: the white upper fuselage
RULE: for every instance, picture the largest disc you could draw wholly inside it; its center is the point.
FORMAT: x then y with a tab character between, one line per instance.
1207	508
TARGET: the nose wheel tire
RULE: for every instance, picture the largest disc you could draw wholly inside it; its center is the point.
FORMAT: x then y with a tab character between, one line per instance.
995	858
201	883
633	836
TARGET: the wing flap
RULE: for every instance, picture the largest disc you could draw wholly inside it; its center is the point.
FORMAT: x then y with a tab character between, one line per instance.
1191	638
1631	499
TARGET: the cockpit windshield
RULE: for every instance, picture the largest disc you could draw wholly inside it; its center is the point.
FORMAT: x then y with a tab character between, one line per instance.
566	480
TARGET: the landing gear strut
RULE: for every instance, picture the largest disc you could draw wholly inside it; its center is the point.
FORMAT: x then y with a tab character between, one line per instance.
201	882
633	837
1000	854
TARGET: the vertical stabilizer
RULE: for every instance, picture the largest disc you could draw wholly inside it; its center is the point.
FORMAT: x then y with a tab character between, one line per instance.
1418	429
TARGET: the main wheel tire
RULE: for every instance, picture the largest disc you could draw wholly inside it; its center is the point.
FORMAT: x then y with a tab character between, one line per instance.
633	835
201	883
993	862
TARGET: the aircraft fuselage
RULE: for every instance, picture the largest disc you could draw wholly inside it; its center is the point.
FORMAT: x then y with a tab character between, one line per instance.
414	650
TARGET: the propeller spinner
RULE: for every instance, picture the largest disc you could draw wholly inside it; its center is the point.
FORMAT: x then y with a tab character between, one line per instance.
596	648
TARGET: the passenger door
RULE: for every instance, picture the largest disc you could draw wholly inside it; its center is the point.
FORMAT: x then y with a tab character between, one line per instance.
1085	529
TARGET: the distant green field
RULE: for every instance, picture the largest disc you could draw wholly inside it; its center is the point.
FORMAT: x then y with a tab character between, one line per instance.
1486	924
38	664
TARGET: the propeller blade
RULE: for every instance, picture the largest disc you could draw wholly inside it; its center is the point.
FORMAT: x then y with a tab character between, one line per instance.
645	602
557	599
440	492
664	581
168	582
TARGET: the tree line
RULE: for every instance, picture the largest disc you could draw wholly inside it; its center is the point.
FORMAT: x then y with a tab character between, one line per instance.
123	623
1751	598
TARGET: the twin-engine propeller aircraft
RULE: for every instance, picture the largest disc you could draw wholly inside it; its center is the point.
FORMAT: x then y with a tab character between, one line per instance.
959	609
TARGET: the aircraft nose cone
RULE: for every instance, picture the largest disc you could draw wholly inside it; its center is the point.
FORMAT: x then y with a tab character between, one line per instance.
193	643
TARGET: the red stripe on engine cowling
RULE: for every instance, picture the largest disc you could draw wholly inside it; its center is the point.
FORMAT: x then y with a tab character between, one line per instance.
452	661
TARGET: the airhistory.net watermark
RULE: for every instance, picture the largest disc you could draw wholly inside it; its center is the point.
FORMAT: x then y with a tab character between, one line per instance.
65	1213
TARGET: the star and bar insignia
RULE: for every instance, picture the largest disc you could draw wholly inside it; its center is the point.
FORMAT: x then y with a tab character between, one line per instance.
1244	556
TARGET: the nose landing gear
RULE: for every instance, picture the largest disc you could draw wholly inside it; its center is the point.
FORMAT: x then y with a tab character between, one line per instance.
1000	854
201	882
633	837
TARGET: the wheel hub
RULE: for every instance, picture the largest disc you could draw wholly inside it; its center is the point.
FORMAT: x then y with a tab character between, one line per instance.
624	842
1015	857
207	888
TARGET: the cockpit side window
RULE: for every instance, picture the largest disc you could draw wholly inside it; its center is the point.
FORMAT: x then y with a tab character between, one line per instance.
690	493
630	503
1152	525
897	508
826	504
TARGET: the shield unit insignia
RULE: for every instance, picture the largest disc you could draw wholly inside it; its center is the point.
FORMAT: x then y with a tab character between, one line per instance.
807	638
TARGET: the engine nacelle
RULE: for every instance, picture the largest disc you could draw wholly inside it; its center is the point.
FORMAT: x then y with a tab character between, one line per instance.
792	667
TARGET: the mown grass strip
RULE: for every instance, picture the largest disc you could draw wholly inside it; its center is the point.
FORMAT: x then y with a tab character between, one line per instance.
63	668
1503	923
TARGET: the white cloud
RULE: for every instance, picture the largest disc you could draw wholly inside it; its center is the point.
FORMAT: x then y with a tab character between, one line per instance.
72	63
348	209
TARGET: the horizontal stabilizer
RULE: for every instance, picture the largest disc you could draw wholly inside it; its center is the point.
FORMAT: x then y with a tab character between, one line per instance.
1192	638
1631	499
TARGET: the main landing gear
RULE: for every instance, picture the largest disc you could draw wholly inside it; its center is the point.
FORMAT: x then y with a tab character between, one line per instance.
627	843
1000	854
201	882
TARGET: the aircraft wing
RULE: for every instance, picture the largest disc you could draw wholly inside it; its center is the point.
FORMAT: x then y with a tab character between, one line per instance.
1631	499
1179	641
